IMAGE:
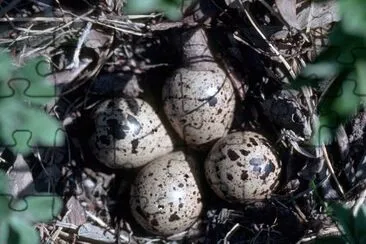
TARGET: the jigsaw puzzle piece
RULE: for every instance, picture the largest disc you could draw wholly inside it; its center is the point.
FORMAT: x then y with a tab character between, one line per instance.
30	83
7	199
21	98
343	48
29	184
326	126
23	139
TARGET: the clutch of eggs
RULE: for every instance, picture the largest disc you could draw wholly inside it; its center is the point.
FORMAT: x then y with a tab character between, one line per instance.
242	167
128	134
199	104
165	196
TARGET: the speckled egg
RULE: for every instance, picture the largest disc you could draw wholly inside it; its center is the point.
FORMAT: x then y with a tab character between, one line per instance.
199	104
242	167
165	196
128	134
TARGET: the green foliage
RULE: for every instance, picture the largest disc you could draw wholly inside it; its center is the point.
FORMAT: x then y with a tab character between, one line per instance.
23	91
353	227
344	63
17	216
171	8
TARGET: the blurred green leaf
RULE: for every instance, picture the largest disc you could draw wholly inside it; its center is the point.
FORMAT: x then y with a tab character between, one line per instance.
40	208
360	224
360	90
3	182
37	89
340	73
21	99
4	230
171	8
322	130
37	126
353	16
22	232
6	65
4	199
345	218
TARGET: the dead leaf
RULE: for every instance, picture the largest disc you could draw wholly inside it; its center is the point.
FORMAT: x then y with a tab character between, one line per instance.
20	178
318	14
95	233
77	214
287	9
313	14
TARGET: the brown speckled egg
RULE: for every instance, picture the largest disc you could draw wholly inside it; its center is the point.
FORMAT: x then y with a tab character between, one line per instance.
128	134
199	104
242	167
165	196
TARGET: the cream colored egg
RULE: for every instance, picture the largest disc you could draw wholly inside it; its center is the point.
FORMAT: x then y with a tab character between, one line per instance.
128	134
242	167
199	104
165	196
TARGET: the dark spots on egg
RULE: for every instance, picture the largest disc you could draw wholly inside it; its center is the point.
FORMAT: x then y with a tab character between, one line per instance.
115	129
265	142
104	140
180	185
154	222
232	155
125	134
253	141
217	168
229	176
244	175
134	144
244	152
183	121
174	217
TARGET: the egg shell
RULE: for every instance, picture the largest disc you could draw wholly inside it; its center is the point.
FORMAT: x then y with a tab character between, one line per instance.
242	167
165	196
128	134
199	105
